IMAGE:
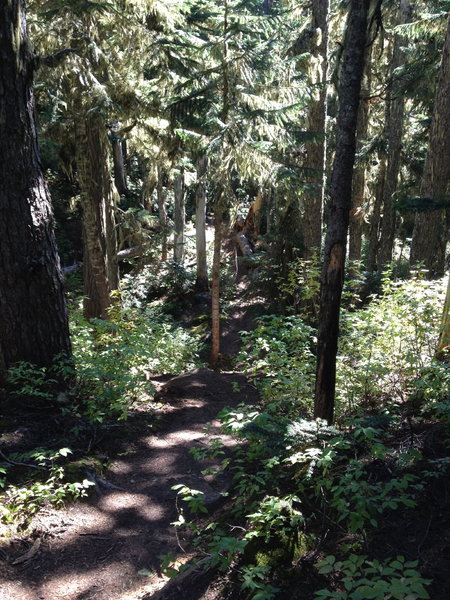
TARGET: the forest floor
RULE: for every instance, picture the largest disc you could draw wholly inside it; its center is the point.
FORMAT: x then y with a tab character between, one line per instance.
108	546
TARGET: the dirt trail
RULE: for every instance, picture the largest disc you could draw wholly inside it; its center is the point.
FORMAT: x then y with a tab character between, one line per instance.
96	549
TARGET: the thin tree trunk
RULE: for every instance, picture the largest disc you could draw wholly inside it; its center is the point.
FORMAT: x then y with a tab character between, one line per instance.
215	286
372	250
163	221
201	281
33	316
359	175
315	160
395	106
430	228
101	275
119	165
443	347
179	218
340	203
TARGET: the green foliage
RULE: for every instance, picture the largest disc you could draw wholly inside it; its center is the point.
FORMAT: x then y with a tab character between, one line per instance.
361	578
113	358
26	379
169	282
281	362
52	486
386	346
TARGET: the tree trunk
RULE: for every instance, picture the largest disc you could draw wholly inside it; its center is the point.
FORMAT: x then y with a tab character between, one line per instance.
119	165
33	317
101	275
443	347
430	229
215	286
394	131
340	203
179	218
372	250
359	175
201	281
316	120
163	221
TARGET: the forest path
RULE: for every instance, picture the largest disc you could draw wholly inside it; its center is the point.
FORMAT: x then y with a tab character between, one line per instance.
107	547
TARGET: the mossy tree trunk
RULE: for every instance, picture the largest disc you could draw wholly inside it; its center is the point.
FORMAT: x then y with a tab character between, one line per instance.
101	276
33	317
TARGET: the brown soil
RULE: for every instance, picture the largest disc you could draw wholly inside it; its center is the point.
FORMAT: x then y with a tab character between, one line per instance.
108	547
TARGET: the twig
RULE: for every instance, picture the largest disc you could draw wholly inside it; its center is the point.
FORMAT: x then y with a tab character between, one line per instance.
20	464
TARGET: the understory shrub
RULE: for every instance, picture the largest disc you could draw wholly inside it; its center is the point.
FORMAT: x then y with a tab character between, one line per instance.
278	356
113	359
386	347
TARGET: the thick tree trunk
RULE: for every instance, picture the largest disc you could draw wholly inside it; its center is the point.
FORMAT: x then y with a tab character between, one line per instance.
101	275
201	281
33	318
163	221
179	218
394	131
315	160
340	203
215	286
430	228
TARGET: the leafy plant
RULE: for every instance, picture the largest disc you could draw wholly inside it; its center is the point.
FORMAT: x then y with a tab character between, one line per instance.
362	579
278	355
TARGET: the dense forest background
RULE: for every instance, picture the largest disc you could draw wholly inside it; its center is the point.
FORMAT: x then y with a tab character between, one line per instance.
174	172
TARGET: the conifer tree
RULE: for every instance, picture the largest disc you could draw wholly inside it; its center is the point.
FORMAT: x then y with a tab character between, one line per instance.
33	319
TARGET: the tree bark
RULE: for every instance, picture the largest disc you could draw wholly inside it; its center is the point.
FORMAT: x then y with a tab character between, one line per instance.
394	132
119	165
316	123
100	270
163	220
340	203
201	281
179	217
33	317
372	250
430	229
443	347
359	175
215	286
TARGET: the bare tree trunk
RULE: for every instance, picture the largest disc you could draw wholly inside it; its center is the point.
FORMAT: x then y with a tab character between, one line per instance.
340	203
33	317
359	175
179	217
163	221
376	218
315	160
101	275
394	131
215	287
201	282
430	228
